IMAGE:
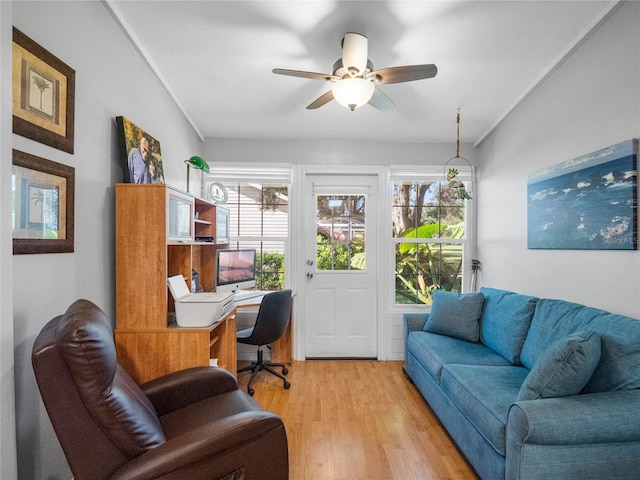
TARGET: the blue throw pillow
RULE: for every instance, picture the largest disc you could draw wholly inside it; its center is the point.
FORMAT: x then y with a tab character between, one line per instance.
564	368
506	317
456	315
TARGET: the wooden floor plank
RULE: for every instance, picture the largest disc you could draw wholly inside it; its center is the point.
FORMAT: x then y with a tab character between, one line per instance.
359	420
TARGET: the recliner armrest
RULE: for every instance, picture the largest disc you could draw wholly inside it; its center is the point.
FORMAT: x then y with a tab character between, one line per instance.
208	448
185	387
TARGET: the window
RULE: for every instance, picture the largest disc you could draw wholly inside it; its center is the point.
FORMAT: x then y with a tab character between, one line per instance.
258	200
341	232
428	235
259	219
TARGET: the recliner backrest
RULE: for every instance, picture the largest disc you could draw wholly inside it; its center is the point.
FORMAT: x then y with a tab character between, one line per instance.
100	415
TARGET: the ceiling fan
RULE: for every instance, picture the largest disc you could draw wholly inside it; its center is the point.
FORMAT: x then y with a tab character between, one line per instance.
354	79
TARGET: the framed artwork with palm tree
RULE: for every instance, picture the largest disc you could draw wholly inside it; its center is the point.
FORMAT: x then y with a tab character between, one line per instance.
42	205
43	94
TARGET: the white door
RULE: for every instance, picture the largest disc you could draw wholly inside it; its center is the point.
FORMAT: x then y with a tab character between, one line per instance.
340	304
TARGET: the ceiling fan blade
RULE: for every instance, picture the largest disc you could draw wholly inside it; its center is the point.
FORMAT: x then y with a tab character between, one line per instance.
354	53
321	100
381	101
407	73
303	74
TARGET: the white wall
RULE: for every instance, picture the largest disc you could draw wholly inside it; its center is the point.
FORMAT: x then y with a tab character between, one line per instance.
8	463
111	80
591	102
331	152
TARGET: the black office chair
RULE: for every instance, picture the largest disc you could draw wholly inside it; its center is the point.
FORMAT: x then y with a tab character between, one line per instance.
272	321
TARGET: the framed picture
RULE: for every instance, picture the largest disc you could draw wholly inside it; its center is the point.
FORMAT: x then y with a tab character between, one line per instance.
42	205
43	94
588	203
140	152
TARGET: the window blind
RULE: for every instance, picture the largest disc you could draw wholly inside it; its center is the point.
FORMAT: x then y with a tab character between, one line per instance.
247	173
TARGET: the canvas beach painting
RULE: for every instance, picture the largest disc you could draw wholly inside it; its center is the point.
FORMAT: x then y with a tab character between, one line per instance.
588	203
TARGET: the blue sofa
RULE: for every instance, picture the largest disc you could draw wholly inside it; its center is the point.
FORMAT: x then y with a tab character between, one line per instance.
530	388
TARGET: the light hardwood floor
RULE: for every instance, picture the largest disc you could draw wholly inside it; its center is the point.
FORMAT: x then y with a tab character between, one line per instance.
358	420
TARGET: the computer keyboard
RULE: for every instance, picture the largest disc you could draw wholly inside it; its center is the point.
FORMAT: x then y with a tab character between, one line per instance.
246	294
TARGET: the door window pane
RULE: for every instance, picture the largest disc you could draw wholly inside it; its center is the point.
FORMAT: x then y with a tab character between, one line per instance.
340	224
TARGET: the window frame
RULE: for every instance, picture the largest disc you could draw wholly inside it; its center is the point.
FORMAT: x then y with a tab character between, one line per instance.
430	173
234	174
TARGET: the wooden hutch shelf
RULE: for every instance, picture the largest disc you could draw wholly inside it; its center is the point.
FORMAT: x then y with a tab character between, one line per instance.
161	232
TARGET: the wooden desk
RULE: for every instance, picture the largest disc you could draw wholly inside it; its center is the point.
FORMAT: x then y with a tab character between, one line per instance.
150	353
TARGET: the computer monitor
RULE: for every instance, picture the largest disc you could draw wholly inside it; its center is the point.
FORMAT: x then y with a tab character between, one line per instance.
235	269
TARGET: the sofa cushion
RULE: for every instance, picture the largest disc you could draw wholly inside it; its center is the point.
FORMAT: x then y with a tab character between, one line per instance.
553	320
505	320
433	351
619	366
484	394
456	315
564	369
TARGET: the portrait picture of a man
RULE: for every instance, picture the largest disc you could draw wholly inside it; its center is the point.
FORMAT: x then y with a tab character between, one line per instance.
141	154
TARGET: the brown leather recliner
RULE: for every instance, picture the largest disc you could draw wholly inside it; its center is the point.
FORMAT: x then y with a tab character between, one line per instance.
192	424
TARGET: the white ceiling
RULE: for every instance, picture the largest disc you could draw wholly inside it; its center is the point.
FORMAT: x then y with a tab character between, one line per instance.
216	57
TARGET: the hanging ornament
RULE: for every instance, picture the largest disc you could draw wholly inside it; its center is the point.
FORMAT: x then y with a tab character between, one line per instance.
452	173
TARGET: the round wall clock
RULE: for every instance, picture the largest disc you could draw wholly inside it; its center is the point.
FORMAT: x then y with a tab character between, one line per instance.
218	193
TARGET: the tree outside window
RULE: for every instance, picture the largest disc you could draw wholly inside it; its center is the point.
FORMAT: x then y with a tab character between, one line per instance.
428	234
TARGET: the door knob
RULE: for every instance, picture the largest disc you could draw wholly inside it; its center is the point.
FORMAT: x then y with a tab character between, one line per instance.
309	262
309	275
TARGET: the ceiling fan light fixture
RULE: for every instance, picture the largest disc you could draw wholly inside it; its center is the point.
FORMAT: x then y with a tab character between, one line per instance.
355	52
354	79
352	92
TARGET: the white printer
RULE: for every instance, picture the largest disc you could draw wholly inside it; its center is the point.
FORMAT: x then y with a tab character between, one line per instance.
198	309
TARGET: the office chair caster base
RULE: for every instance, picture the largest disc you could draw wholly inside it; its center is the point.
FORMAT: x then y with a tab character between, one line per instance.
251	391
285	370
287	385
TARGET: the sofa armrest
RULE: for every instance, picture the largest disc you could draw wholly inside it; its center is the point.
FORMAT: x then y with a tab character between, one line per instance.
414	321
593	435
595	418
208	448
182	388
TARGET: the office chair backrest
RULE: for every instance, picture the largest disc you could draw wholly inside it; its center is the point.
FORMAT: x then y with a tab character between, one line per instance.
100	415
273	318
